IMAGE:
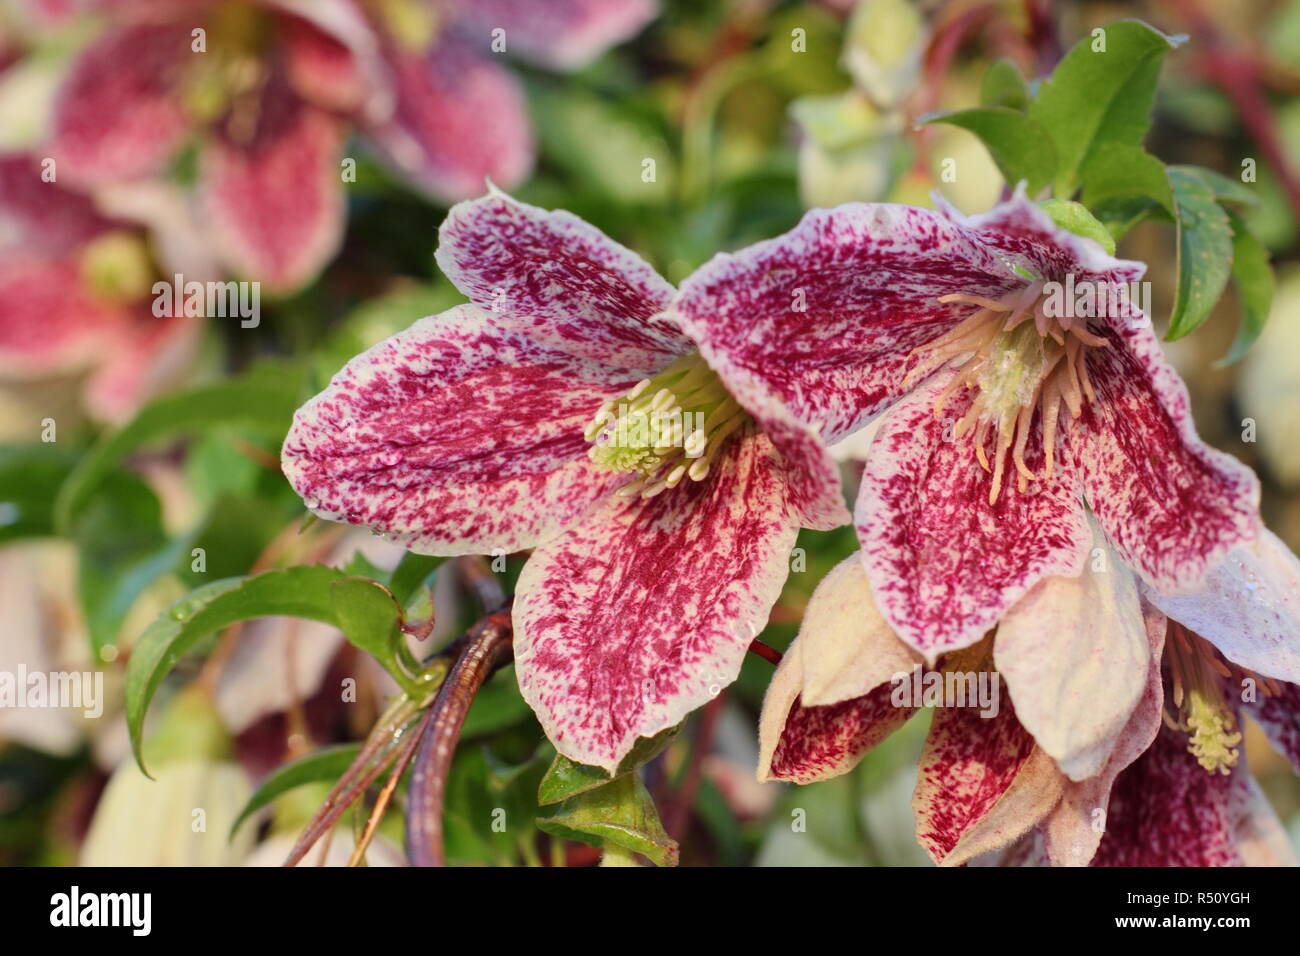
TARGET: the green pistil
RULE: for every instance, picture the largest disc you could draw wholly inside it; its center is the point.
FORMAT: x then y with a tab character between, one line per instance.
667	428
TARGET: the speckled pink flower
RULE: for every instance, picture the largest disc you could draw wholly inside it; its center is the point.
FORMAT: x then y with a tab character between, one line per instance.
1013	425
525	420
1083	712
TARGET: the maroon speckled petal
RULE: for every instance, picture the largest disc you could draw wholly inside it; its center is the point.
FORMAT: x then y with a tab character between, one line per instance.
1166	810
273	193
1279	716
830	702
982	783
453	437
945	565
1248	605
644	611
1073	830
560	34
458	120
1171	505
841	299
561	280
118	115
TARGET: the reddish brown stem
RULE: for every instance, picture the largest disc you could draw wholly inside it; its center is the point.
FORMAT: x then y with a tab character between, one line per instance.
765	651
486	649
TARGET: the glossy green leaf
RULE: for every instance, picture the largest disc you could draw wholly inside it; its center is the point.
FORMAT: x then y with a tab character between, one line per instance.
324	765
304	591
1004	86
1018	145
566	778
1101	92
264	399
1204	253
1252	275
1121	214
620	812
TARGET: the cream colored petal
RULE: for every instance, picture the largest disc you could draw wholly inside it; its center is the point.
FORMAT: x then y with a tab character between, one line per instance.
847	647
1074	654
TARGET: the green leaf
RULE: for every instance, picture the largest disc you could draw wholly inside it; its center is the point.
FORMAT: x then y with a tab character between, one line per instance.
371	619
1122	214
121	549
1204	253
620	812
1098	96
1004	86
1117	170
304	591
412	571
1253	277
1225	188
27	473
1075	217
264	399
1017	144
566	778
326	764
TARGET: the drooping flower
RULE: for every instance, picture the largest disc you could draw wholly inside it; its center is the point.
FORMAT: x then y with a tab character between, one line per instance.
1019	416
1080	765
270	89
563	410
75	287
1044	478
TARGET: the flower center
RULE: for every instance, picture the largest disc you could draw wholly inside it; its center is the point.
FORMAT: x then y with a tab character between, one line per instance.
666	428
1019	359
1198	673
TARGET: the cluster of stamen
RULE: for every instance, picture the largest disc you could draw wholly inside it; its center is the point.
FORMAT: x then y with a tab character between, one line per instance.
665	429
1020	360
1200	679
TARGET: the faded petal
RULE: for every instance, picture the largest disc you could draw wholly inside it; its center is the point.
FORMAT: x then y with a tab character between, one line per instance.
944	565
1073	830
1261	838
1075	656
458	119
1248	606
644	611
118	116
1171	505
847	647
982	784
560	280
843	298
273	192
560	34
453	437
